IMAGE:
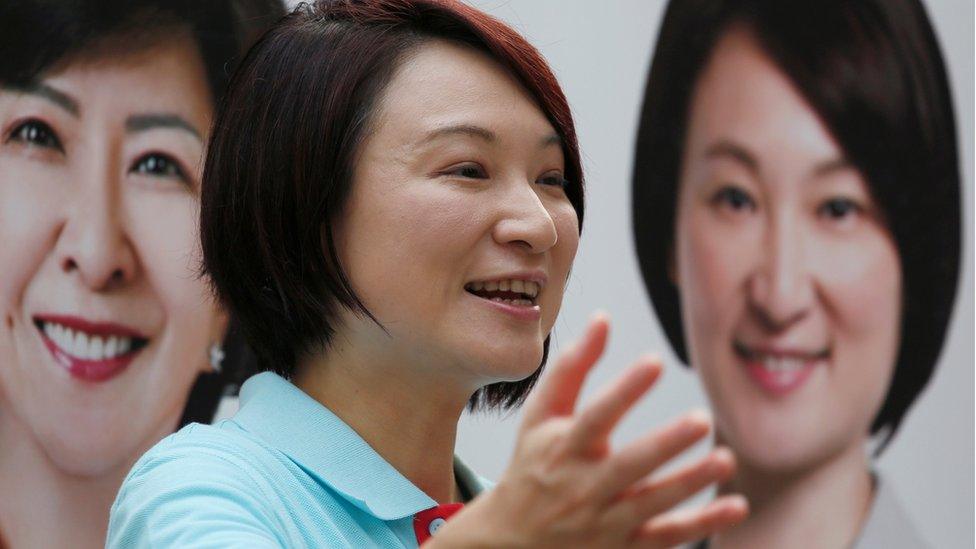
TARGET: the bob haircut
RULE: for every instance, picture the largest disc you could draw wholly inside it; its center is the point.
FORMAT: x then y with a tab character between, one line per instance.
872	71
42	36
280	161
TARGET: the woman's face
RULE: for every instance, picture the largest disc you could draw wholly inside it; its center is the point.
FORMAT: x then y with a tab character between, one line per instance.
458	235
105	323
790	283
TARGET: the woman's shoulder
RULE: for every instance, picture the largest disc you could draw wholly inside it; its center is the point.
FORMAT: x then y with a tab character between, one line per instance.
205	445
202	474
198	452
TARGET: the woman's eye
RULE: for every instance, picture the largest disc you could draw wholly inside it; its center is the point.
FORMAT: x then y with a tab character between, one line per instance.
36	133
158	165
839	209
553	180
734	198
468	171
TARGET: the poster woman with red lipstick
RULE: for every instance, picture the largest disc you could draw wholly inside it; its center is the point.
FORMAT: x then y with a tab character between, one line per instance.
109	339
797	217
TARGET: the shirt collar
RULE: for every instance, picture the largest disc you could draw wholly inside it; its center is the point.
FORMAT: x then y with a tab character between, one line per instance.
323	445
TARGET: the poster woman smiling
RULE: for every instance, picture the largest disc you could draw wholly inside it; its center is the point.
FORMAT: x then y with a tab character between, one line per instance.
104	113
797	218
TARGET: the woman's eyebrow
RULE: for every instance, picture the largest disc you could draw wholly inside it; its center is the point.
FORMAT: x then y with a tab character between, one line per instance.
733	151
144	122
482	133
48	93
460	129
550	140
833	166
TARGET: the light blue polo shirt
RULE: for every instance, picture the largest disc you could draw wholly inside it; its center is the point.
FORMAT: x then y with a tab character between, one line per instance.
283	472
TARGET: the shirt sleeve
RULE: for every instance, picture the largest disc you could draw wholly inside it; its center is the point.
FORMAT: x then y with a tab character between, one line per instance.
197	500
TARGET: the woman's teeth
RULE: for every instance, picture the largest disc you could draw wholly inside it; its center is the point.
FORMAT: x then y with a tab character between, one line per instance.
527	287
786	365
522	302
779	362
84	346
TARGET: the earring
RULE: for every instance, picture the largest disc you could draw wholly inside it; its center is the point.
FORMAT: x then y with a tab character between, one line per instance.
216	357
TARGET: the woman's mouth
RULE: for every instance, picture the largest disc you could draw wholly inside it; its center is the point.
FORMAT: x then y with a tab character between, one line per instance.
516	297
779	372
89	351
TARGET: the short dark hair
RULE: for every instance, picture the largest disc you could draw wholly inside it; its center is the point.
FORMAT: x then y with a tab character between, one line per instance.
39	36
280	161
872	71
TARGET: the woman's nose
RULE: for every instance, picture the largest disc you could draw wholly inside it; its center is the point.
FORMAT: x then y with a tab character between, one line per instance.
93	243
525	222
781	289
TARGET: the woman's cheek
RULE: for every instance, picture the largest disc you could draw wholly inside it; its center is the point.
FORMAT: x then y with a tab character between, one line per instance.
567	228
861	277
861	285
163	230
567	244
29	223
713	263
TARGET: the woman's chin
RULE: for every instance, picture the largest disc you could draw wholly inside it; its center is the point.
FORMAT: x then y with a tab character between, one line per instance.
784	451
772	460
491	357
510	364
89	456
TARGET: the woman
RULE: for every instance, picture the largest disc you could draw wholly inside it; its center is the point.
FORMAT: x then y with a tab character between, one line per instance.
796	210
104	115
392	202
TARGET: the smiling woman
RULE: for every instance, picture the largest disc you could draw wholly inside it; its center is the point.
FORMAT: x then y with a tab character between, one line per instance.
105	327
392	202
797	217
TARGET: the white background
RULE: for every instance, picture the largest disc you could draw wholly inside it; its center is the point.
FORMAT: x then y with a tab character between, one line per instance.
600	51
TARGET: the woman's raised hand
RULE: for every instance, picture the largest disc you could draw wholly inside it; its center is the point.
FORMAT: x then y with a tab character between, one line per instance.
566	487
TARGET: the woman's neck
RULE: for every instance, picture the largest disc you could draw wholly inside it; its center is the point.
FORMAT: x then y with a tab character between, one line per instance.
399	407
823	507
43	506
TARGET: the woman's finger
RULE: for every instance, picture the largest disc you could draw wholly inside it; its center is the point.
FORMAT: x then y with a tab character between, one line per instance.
559	389
596	421
689	525
649	452
659	495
